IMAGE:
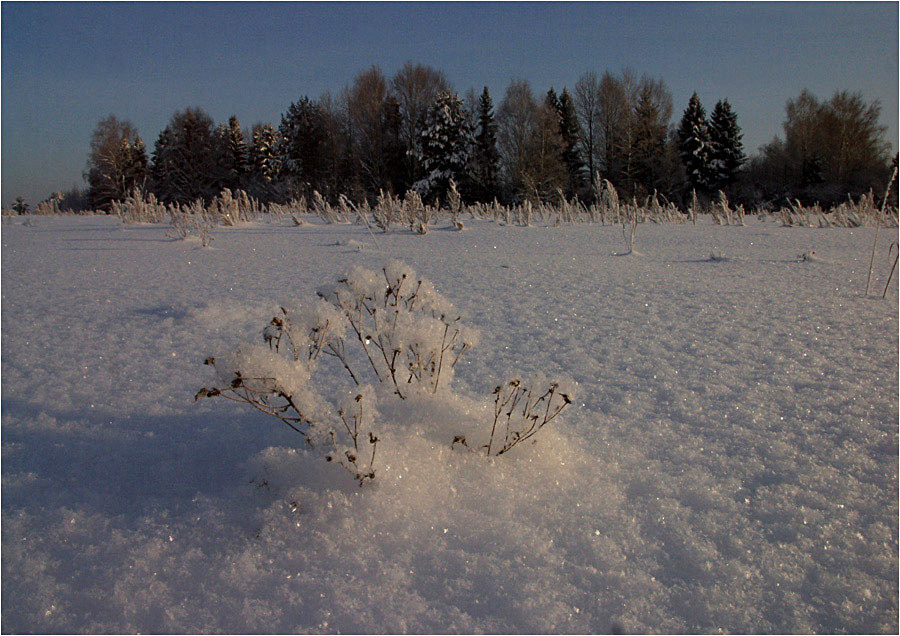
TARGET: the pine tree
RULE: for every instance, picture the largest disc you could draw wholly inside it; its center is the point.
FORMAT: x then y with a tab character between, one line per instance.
446	144
568	128
727	149
694	144
486	156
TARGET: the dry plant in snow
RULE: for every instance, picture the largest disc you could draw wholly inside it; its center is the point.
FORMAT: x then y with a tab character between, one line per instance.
388	330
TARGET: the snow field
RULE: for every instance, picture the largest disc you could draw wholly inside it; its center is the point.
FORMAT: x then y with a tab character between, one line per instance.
730	463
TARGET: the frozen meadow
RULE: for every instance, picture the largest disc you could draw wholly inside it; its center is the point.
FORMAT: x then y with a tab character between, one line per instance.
730	463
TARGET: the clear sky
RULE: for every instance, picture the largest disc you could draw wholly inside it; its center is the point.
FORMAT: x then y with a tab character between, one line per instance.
67	65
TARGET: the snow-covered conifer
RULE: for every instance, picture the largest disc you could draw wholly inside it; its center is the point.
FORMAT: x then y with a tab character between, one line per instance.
649	142
302	143
569	130
264	160
486	157
446	142
694	144
185	165
727	149
232	154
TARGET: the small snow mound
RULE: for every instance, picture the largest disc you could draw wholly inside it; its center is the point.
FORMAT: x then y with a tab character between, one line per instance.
809	256
352	244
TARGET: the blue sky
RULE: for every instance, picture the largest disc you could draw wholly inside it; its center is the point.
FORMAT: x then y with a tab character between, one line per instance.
66	65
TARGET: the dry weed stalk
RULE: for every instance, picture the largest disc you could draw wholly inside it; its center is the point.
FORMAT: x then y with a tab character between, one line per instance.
893	248
519	412
877	227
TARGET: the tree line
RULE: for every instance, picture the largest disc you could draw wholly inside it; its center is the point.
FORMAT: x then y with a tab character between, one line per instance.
412	131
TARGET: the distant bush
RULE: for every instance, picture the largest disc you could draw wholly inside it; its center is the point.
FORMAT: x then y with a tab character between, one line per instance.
407	341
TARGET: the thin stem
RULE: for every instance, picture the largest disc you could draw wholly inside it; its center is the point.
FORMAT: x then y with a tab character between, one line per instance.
437	376
339	354
891	275
878	226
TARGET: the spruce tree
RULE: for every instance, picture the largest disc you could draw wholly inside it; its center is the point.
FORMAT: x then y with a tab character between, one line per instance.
445	146
552	100
393	148
303	146
649	142
159	167
185	166
486	156
727	150
263	153
232	154
694	144
137	164
568	128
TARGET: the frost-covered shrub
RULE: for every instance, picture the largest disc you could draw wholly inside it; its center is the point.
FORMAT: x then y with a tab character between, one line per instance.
232	208
328	212
140	207
293	208
395	336
412	336
192	220
384	210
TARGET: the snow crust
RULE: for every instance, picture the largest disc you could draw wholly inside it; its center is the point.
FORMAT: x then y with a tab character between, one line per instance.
730	463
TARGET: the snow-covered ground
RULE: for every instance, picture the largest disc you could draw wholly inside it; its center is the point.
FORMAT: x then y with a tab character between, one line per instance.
730	464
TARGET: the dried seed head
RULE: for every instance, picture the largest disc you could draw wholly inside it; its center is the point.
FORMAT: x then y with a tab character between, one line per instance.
201	393
210	360
566	398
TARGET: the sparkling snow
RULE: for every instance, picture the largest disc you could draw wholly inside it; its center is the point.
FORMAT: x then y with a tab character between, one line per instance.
730	464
